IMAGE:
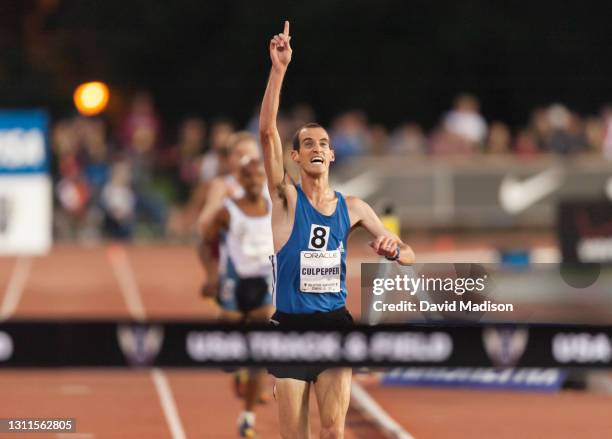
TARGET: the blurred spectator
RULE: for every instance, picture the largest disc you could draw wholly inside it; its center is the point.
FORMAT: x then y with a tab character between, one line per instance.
182	162
140	129
408	138
214	161
594	134
541	128
499	138
378	137
349	135
463	129
73	192
465	121
140	132
607	142
96	152
74	217
526	145
565	131
64	145
119	202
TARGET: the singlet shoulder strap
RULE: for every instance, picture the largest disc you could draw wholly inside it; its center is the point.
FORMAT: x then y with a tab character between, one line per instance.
300	196
340	197
343	208
232	207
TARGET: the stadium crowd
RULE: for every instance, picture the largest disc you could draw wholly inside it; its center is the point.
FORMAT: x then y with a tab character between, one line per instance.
140	178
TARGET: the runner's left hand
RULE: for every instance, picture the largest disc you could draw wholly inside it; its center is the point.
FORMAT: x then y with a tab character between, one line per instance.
385	246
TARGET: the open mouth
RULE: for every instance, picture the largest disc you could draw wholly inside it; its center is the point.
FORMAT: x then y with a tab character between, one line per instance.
318	160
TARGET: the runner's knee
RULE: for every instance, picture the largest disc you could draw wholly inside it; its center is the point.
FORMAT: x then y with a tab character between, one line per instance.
334	431
292	431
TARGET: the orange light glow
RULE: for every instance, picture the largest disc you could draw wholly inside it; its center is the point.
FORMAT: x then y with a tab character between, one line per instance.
91	98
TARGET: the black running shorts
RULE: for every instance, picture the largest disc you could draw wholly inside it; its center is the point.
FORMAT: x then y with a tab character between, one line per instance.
337	319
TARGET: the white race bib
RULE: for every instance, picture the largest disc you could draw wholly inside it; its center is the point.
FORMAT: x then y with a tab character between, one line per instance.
320	271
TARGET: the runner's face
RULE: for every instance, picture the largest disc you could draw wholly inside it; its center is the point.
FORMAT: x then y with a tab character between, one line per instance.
315	152
246	148
252	179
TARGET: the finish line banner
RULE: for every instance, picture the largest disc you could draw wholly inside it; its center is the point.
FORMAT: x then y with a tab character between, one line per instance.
25	185
191	344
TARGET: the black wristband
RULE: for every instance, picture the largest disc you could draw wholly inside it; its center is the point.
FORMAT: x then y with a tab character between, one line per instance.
397	255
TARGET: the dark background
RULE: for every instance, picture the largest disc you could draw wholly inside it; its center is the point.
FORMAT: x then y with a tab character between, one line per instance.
396	60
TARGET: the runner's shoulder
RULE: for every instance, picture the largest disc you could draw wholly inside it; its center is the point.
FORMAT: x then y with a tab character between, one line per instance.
355	203
358	210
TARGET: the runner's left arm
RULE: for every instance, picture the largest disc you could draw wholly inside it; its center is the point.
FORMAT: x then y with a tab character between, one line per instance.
385	243
209	258
217	191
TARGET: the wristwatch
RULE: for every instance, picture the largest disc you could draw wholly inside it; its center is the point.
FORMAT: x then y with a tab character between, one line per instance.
397	255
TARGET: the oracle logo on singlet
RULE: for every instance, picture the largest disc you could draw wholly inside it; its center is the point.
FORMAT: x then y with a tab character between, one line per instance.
318	255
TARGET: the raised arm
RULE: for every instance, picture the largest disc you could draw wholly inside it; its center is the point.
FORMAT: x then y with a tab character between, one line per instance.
385	242
280	53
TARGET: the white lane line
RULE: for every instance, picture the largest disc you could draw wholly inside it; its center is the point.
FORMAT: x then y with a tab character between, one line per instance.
15	287
373	411
129	288
118	258
168	405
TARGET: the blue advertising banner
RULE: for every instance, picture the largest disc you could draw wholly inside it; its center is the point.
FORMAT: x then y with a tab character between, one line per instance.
25	183
23	142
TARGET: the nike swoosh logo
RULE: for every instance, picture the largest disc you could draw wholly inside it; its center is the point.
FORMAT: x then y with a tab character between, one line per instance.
517	196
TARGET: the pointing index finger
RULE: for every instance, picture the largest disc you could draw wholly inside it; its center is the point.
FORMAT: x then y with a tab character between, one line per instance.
286	30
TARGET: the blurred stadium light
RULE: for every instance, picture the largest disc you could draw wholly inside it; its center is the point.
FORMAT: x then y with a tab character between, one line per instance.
91	98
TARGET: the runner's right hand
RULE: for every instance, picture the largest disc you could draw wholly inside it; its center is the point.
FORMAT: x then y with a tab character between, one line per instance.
280	49
210	289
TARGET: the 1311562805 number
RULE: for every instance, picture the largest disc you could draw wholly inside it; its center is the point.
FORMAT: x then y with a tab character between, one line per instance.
15	425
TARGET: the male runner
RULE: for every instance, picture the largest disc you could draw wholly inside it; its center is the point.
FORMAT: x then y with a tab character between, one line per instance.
244	289
310	226
240	145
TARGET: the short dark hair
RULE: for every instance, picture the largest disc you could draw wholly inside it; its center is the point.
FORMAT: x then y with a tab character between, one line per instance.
296	137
